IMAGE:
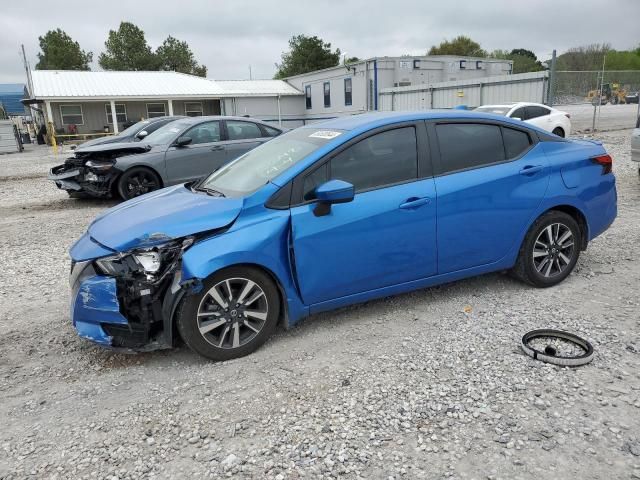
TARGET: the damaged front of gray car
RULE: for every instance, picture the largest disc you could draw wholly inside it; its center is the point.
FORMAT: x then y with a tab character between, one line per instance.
93	170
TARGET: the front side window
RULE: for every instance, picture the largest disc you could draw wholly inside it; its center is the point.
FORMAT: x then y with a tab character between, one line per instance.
121	112
307	96
535	112
193	109
519	113
347	92
155	110
207	132
327	94
271	132
469	145
71	114
237	130
382	159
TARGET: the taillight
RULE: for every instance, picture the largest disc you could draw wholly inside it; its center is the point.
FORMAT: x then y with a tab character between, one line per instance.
606	161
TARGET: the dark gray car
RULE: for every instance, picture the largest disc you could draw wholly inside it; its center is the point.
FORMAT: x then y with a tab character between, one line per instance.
181	151
133	133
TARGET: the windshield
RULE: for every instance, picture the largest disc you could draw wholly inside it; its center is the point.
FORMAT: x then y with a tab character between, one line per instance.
496	110
255	168
167	133
134	128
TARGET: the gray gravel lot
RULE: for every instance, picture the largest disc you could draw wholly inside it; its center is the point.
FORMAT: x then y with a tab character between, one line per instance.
429	385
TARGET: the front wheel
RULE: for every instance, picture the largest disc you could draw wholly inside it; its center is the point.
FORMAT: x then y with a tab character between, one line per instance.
234	313
137	181
550	250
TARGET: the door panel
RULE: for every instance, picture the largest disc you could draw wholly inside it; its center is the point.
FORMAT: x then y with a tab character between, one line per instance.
384	237
481	212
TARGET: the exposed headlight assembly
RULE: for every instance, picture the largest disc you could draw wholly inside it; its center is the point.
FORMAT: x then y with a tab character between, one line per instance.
99	165
148	261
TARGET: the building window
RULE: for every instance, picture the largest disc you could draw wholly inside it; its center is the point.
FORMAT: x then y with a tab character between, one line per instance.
155	110
307	95
121	112
193	109
71	114
347	92
327	94
463	64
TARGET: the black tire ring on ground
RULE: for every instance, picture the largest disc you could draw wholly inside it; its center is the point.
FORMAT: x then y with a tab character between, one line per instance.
555	360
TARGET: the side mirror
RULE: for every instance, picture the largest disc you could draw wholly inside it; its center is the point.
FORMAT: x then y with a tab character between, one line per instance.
183	141
333	191
141	134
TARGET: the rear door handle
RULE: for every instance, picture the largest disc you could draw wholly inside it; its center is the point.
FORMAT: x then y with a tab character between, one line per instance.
531	169
217	148
415	202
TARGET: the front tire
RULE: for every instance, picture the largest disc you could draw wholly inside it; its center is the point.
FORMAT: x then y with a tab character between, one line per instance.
550	250
137	181
234	314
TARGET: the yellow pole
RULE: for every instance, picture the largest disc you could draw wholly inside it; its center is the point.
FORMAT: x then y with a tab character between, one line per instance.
52	134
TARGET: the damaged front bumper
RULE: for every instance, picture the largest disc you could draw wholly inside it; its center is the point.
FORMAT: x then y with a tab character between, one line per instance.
81	179
124	313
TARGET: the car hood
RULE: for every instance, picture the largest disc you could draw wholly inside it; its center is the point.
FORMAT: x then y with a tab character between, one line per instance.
99	141
160	216
132	147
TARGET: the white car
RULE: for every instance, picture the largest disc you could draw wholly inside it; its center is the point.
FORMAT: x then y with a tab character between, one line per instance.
550	119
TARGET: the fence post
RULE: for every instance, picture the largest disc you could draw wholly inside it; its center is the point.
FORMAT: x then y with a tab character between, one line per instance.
481	99
552	80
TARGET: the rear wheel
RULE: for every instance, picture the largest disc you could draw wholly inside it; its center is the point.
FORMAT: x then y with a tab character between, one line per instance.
558	131
550	250
235	313
137	181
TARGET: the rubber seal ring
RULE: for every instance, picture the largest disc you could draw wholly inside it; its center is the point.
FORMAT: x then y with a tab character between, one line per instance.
583	359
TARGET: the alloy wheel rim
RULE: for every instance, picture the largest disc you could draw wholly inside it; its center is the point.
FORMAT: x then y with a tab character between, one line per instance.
140	184
232	313
553	250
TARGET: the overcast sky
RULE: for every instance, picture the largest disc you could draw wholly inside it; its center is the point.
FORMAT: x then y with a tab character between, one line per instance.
228	36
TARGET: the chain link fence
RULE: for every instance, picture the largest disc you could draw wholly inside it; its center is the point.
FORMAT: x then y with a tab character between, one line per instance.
598	100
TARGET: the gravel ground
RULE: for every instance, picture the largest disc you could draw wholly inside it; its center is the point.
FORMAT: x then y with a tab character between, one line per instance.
430	384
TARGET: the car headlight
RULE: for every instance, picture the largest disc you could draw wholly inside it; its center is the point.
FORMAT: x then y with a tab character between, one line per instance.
99	164
147	261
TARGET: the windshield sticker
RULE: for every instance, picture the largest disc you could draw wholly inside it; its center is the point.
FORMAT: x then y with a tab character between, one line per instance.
328	134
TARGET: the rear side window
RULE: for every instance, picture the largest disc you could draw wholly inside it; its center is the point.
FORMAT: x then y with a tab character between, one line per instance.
535	112
381	159
469	145
238	130
516	142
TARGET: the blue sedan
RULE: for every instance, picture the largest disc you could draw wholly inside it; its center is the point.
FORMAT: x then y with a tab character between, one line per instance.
333	214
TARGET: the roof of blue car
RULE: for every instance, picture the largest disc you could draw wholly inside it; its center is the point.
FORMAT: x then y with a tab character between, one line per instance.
375	119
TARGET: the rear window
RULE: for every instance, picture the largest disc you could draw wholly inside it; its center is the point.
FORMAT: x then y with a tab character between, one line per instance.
469	145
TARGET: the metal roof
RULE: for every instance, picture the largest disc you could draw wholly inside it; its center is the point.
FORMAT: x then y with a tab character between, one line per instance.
258	87
88	85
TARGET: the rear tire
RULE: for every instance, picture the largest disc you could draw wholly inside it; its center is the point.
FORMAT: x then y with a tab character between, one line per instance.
558	131
550	250
232	316
137	181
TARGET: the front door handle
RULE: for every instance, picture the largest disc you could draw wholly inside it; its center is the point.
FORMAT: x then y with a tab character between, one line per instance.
531	169
217	148
415	202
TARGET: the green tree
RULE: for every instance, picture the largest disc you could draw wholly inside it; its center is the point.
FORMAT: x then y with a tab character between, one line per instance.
461	45
349	60
127	49
176	55
523	60
588	57
306	54
61	52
